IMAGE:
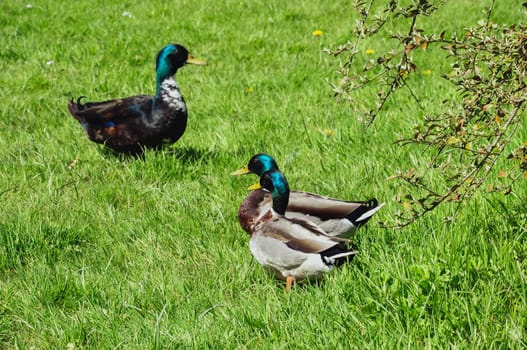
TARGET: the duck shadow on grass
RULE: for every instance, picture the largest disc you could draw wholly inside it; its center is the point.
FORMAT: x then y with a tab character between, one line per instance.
192	155
185	154
317	282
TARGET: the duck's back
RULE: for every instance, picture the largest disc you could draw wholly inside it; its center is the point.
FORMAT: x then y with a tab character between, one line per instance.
130	124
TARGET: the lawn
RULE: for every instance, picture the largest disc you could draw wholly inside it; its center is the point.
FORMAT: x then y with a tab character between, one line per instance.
99	251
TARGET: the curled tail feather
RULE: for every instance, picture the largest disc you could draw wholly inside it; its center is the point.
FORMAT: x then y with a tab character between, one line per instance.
75	107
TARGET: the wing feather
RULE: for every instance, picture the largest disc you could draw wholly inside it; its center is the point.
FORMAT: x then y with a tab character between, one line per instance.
300	235
325	207
112	110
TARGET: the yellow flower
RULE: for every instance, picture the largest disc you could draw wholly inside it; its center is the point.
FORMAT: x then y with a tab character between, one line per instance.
328	132
249	89
427	72
317	32
370	51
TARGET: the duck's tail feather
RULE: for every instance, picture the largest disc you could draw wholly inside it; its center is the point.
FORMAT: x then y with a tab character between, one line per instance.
339	254
76	107
361	216
343	255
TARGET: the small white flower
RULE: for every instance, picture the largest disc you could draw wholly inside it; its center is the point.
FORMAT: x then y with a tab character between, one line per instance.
49	63
29	6
127	14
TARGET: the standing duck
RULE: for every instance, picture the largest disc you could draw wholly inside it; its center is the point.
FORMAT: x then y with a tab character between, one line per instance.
130	124
336	217
293	249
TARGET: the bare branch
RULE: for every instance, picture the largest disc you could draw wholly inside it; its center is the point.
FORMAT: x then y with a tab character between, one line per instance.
469	138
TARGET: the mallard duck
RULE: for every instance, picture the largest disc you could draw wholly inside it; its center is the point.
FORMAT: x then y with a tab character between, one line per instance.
336	217
133	123
293	249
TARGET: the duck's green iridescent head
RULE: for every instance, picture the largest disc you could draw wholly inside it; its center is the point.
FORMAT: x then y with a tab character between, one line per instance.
276	183
259	164
171	58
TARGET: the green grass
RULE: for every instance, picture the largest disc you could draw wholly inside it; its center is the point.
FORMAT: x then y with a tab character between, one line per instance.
147	253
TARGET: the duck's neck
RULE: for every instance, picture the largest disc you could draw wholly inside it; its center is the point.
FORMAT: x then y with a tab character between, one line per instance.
280	202
167	99
168	94
166	88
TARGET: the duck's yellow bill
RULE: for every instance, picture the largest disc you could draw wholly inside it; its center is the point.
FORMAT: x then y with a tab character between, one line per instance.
256	186
242	171
193	60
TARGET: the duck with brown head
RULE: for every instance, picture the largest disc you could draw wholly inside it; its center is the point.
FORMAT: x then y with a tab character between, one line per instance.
336	217
293	249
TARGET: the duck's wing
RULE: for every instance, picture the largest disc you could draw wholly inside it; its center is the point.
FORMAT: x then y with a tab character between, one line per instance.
112	110
300	235
326	208
284	245
274	254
